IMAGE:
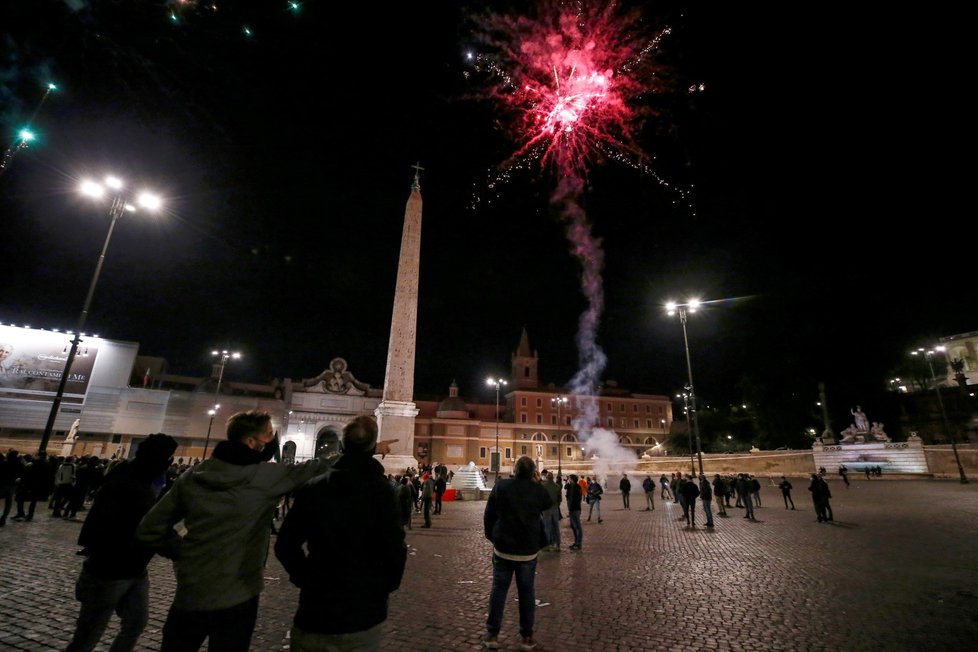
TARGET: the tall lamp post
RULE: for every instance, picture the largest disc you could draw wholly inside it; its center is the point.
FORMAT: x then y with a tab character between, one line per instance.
948	434
496	457
559	401
672	308
120	205
689	431
224	357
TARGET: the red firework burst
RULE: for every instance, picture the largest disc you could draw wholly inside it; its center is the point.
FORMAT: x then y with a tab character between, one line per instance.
570	76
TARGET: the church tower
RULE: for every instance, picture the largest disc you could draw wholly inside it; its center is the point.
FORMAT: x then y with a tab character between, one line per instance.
396	412
525	374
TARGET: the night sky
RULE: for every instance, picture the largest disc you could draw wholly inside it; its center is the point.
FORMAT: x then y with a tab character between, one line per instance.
801	183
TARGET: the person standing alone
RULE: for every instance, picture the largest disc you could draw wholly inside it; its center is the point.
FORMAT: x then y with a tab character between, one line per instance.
512	523
625	486
574	497
648	486
785	488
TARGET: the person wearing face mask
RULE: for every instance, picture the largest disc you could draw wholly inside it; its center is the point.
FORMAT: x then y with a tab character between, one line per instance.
225	503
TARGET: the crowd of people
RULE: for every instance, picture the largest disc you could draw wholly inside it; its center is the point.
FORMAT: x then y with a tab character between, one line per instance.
212	519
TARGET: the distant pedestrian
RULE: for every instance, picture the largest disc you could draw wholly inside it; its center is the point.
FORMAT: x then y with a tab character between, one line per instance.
594	492
785	487
551	517
427	496
512	523
755	490
574	497
648	486
664	482
690	492
722	494
743	491
868	476
35	485
11	470
706	497
405	502
844	472
674	486
64	486
625	486
820	497
113	578
441	486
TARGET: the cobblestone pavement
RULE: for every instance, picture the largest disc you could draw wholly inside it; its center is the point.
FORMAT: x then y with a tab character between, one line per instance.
896	570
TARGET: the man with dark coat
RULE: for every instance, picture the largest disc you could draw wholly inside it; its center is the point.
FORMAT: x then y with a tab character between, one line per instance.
625	486
512	523
441	486
113	577
690	493
574	497
36	484
348	521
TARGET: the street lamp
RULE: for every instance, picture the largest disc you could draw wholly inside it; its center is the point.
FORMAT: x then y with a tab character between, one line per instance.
948	434
689	431
120	205
559	401
224	357
672	308
497	383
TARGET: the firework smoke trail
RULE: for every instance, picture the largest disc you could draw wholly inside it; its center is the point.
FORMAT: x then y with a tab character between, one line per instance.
570	75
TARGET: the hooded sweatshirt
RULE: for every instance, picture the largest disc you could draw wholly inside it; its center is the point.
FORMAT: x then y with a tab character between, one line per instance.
226	504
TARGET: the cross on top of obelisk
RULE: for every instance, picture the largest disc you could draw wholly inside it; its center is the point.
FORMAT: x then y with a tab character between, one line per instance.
417	176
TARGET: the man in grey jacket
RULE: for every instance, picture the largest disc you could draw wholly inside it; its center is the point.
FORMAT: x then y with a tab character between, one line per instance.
226	504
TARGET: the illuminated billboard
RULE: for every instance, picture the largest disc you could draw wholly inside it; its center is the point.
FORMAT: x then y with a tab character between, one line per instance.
31	363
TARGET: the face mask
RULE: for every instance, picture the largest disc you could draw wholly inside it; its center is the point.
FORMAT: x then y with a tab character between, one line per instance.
270	451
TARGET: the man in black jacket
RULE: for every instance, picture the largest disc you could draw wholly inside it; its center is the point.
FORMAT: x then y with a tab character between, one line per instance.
113	576
349	522
574	496
512	523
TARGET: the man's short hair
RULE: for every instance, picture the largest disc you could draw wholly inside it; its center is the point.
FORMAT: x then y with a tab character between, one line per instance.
247	424
524	467
360	436
573	477
158	447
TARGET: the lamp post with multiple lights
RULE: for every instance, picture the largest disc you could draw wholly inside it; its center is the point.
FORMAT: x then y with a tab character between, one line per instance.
496	458
114	188
559	401
927	354
681	308
224	357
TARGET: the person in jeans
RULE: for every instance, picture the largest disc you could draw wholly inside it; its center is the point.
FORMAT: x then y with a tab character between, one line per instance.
594	492
706	497
512	523
113	578
625	486
785	488
573	491
648	486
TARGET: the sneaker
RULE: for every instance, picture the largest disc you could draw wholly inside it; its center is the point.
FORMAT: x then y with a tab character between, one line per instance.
491	642
530	644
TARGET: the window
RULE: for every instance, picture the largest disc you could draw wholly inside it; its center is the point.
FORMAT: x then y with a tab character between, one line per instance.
482	451
621	407
648	409
611	422
566	421
522	401
522	417
509	453
526	371
539	402
636	424
660	409
621	422
609	407
522	450
553	419
635	408
570	452
553	451
648	423
539	418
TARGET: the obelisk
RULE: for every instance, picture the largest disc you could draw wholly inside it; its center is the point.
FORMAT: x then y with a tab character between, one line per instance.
396	412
